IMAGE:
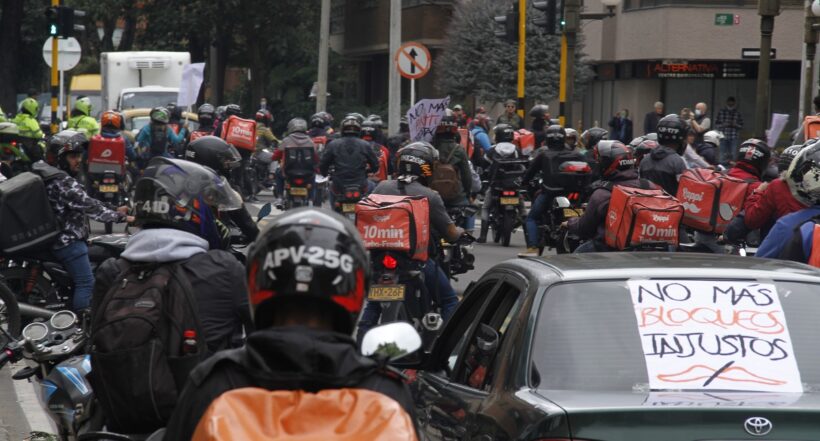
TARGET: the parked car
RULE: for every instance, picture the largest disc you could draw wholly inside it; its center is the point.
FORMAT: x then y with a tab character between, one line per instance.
640	346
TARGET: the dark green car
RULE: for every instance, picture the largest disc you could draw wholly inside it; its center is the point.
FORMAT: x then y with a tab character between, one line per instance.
631	347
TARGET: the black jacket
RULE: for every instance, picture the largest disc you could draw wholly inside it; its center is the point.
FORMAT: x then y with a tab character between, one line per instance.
292	358
547	163
592	224
352	159
663	166
650	122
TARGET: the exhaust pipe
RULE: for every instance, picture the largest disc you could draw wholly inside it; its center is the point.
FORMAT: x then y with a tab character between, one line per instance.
27	310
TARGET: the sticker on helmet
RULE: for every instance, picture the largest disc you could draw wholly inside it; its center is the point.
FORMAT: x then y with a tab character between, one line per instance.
157	207
314	256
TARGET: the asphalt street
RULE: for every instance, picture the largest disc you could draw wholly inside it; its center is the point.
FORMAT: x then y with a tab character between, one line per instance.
21	413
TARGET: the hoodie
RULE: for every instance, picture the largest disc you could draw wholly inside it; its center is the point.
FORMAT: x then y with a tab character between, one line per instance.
663	166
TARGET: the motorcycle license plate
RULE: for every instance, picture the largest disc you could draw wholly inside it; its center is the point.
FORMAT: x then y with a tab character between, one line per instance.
573	212
109	188
298	191
386	293
509	201
348	208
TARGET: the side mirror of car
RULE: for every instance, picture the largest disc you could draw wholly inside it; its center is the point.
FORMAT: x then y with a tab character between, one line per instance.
392	341
560	202
263	212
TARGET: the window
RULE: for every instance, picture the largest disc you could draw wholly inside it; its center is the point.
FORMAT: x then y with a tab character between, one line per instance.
455	333
641	4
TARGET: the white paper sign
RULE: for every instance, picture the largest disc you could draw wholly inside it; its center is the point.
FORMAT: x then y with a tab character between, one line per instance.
779	121
424	116
714	335
192	75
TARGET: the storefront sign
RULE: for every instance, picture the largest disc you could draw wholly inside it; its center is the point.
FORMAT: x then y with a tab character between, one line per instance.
695	69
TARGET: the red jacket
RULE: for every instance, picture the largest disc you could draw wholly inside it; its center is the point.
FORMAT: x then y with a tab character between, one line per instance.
766	207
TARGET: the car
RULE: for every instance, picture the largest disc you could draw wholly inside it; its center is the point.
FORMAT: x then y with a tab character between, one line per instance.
627	346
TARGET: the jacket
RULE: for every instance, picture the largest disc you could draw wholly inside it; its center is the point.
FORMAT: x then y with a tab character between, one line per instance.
352	159
448	148
783	231
297	140
650	122
621	129
71	204
766	207
592	225
28	126
288	358
265	137
663	166
159	147
218	280
515	121
480	138
84	124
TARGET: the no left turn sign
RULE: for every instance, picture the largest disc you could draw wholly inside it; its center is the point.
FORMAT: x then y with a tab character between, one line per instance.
413	60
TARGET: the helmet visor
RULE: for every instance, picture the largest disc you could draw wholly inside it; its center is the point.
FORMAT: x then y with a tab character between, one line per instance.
185	187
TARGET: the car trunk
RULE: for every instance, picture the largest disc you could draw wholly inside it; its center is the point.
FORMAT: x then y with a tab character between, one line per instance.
687	416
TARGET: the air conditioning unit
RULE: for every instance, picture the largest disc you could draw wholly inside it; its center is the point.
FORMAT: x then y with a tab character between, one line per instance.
149	63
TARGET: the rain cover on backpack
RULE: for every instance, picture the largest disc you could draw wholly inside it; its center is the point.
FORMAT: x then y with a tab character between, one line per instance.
241	133
398	223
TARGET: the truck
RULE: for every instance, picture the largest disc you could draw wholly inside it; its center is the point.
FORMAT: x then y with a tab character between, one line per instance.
141	79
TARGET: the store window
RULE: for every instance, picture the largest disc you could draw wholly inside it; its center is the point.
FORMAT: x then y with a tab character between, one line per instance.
640	4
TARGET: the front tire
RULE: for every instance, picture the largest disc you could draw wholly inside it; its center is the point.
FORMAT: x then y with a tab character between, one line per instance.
507	225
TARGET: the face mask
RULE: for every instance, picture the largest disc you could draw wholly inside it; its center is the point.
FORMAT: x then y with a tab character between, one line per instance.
697	112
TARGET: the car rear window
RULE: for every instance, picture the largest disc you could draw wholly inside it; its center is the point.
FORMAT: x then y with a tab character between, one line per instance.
588	338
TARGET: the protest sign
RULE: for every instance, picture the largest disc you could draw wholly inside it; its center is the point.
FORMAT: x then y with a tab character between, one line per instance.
192	75
424	116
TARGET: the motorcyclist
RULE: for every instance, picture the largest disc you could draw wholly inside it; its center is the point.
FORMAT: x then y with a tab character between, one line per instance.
11	153
71	205
223	158
641	146
157	137
30	133
304	311
571	139
546	165
352	158
450	152
539	114
665	163
414	168
174	117
113	123
709	149
297	155
504	149
589	139
479	132
371	132
206	115
81	119
229	111
617	168
264	136
397	141
319	125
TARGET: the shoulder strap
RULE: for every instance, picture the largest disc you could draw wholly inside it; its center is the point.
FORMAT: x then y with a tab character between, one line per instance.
182	279
452	152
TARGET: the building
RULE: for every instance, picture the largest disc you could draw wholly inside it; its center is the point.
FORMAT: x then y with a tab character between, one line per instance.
685	51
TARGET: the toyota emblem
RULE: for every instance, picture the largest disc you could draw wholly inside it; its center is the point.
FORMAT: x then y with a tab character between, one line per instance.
757	426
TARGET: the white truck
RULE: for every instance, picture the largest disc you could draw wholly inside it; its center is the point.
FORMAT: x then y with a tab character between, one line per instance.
141	79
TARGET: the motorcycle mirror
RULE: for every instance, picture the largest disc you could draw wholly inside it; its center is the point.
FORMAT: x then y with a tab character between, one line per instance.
264	212
393	341
561	202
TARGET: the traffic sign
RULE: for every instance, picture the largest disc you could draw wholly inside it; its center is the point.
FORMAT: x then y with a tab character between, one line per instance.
68	51
413	60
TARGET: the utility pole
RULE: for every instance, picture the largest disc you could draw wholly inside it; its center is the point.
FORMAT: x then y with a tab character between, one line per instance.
393	78
324	42
522	55
767	9
572	12
55	80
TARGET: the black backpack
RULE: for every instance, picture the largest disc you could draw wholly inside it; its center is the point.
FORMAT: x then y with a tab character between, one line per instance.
139	365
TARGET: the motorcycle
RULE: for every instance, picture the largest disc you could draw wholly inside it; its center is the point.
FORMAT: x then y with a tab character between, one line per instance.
297	190
260	165
345	202
567	202
506	198
107	176
456	258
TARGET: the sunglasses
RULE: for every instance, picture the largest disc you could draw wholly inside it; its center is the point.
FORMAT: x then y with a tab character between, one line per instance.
510	107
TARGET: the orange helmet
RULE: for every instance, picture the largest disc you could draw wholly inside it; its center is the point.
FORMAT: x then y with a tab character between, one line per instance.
112	119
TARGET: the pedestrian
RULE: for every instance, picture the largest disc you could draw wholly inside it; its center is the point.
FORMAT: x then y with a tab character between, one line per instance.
730	122
621	127
700	122
461	118
510	116
650	121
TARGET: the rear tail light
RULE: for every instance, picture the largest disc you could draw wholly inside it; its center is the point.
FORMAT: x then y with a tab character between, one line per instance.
389	262
108	180
298	181
507	193
573	196
356	194
349	195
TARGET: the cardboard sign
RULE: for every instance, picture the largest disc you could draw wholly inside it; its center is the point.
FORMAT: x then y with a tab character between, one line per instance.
714	335
424	117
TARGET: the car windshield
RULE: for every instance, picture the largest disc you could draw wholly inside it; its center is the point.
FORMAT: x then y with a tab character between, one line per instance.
705	335
147	100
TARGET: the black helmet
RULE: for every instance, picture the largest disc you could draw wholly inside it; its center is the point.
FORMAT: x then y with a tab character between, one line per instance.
310	255
206	114
351	126
263	116
672	131
612	157
160	115
803	175
416	161
220	112
539	111
183	195
213	152
555	136
174	111
376	120
504	133
447	123
755	153
66	142
786	157
641	146
233	110
297	125
369	129
359	117
592	136
318	121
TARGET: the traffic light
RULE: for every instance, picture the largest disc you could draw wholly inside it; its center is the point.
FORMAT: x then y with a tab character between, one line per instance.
509	22
61	21
553	20
52	15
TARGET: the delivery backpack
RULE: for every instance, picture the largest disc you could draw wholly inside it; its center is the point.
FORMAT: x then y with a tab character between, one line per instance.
106	154
146	338
27	220
397	223
710	199
446	179
253	413
525	141
241	133
640	216
811	127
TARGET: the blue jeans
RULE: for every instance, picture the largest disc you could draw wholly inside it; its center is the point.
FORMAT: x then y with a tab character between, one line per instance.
587	247
537	211
74	258
728	150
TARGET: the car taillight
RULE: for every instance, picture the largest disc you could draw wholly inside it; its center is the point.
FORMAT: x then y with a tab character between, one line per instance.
507	193
389	262
108	180
298	181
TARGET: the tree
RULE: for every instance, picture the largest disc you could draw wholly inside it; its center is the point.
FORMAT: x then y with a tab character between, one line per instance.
10	25
476	62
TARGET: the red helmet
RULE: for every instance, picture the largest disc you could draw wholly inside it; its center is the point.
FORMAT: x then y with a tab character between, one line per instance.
263	116
112	119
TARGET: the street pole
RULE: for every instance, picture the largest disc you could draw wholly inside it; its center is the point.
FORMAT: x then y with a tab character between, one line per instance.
324	42
810	49
572	10
562	91
522	55
54	77
393	78
767	9
412	92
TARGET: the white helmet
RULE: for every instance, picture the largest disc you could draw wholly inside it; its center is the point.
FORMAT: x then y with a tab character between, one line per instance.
803	176
571	133
713	137
506	149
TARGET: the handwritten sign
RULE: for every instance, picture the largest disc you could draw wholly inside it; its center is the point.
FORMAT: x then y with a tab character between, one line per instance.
714	335
424	116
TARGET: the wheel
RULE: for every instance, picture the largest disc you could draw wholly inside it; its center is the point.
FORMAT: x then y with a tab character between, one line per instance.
507	225
10	319
109	227
496	231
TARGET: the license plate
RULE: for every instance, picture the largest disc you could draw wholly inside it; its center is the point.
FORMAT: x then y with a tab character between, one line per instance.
386	293
509	201
109	188
298	191
573	212
348	208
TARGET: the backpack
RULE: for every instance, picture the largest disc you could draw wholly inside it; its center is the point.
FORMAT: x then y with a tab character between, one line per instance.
106	154
398	223
640	216
27	220
241	133
253	413
525	141
196	134
446	179
140	354
298	160
811	127
710	199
